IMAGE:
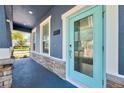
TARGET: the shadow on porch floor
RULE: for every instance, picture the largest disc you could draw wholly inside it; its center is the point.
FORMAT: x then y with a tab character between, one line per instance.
29	74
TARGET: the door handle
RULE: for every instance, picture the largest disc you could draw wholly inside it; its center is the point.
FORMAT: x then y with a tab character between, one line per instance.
70	51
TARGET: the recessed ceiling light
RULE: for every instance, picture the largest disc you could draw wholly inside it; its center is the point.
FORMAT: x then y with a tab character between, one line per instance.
24	23
30	12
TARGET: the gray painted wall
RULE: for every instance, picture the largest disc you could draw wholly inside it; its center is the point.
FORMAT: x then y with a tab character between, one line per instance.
56	23
5	36
121	40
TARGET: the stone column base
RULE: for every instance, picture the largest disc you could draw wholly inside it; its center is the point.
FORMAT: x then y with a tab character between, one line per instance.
5	76
55	66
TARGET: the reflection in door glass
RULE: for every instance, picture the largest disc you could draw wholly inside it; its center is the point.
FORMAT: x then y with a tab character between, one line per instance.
83	46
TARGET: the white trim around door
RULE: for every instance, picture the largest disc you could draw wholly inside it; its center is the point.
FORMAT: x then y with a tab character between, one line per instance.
65	43
111	39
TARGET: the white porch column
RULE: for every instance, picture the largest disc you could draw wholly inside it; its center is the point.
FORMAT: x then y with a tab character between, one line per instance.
5	53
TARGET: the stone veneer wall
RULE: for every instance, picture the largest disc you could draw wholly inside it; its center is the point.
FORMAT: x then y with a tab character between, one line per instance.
5	75
55	66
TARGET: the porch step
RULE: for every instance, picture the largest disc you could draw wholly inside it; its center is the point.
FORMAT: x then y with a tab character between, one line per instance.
6	72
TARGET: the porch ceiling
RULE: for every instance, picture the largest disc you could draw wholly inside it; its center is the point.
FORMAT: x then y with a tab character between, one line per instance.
26	17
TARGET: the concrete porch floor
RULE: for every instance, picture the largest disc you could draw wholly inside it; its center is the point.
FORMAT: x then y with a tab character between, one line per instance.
29	74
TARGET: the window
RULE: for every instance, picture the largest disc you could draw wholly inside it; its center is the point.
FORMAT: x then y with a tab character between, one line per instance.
33	41
45	36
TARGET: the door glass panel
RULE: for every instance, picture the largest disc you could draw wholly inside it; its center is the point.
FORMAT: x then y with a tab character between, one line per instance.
83	46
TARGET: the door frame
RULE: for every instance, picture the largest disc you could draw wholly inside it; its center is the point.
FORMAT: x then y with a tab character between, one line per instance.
73	11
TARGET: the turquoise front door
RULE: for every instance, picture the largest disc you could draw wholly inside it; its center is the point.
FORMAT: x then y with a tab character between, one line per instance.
85	47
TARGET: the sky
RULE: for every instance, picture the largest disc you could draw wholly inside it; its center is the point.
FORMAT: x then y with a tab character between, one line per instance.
27	36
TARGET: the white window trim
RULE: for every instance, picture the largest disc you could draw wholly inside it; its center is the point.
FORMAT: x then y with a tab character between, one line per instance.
33	31
47	20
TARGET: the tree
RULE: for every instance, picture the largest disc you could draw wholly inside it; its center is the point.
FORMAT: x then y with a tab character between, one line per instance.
16	35
19	37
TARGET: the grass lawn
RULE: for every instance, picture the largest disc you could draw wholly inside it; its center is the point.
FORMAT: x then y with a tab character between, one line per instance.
22	49
21	52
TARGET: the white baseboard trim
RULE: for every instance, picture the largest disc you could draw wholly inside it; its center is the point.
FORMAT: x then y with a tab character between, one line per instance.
54	58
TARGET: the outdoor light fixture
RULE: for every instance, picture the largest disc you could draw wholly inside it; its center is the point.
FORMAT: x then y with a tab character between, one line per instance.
30	12
7	20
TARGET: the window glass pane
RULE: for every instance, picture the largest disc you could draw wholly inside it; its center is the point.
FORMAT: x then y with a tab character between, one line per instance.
83	46
33	36
45	47
46	32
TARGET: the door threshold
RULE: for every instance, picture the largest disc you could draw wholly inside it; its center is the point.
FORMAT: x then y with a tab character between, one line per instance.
76	83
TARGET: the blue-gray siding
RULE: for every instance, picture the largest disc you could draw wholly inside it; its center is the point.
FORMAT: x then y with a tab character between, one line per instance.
121	40
56	24
5	36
